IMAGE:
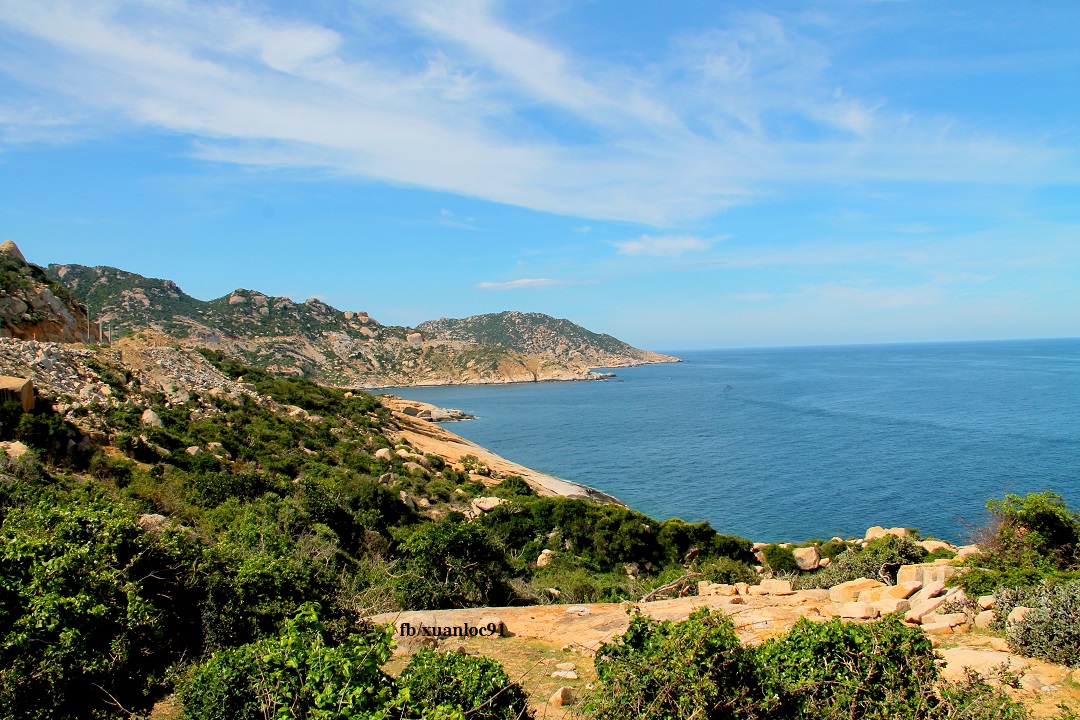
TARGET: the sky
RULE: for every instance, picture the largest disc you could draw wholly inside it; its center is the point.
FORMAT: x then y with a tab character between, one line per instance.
693	174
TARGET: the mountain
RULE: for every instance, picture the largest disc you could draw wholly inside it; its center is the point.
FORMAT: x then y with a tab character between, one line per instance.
33	306
347	348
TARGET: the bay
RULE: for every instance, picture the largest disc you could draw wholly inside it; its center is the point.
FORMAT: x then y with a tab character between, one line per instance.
787	444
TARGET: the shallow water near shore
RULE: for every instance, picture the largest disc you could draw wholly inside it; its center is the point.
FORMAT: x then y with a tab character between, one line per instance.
793	443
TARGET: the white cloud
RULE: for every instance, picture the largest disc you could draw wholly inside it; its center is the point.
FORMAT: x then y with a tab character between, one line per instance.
662	246
683	137
529	284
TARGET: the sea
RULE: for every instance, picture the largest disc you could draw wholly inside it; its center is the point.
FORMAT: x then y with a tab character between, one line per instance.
789	444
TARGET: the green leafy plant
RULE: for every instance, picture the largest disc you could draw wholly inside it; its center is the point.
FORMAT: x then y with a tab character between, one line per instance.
448	682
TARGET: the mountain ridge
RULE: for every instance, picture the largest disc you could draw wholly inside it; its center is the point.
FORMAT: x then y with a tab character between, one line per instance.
350	348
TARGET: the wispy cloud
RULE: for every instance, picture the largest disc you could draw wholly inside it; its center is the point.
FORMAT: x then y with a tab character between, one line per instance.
685	136
663	245
531	284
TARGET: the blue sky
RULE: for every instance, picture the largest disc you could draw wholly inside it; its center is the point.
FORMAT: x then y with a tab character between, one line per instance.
681	175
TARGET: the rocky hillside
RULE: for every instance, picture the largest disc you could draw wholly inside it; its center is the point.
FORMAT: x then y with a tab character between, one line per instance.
33	306
541	335
347	348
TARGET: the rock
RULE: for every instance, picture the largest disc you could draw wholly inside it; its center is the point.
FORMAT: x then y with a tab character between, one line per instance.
758	546
14	448
248	387
966	551
403	453
545	558
909	588
1017	615
496	621
742	588
407	499
824	562
890	605
151	419
735	600
218	450
807	558
986	601
384	455
848	591
932	545
918	610
939	628
953	619
566	666
10	250
939	571
486	504
565	675
152	522
875	533
984	619
930	590
580	610
194	451
413	467
777	587
858	611
757	590
563	696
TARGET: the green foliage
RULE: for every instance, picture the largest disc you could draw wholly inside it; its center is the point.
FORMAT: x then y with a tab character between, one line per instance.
89	607
445	682
513	487
780	559
876	670
728	572
832	548
1051	628
451	564
693	669
301	673
1037	530
867	562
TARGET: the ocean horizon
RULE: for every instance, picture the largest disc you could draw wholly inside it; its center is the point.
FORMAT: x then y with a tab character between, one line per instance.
793	443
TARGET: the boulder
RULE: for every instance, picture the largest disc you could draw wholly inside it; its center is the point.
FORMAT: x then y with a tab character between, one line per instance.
986	601
954	619
848	591
932	545
930	590
890	605
938	571
545	558
194	451
777	587
384	455
566	666
858	611
497	622
486	504
966	551
824	562
918	610
563	696
14	448
407	499
1016	615
413	467
742	588
565	675
151	419
984	620
807	558
939	628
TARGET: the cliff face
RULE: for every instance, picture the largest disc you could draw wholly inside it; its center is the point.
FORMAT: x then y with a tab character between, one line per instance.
347	348
34	307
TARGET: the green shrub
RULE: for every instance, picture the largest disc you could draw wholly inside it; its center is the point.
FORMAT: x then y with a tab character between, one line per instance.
661	670
832	548
512	487
301	673
1051	629
728	572
780	559
865	562
89	607
1037	530
451	564
444	682
832	669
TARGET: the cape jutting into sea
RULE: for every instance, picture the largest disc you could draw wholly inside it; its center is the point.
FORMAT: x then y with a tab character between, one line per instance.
796	443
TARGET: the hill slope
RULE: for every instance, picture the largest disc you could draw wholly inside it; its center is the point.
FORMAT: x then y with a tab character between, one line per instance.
345	348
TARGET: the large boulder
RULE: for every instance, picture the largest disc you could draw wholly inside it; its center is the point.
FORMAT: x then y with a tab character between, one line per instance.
849	591
807	558
151	419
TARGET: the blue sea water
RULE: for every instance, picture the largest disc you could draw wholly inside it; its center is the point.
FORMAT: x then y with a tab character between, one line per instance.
794	443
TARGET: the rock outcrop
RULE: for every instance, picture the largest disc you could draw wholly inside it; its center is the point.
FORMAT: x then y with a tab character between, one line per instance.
33	307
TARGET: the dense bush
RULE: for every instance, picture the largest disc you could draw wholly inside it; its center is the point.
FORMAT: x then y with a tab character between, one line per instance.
780	559
817	671
301	673
1051	628
451	564
697	668
728	572
1032	538
877	670
92	610
448	682
866	562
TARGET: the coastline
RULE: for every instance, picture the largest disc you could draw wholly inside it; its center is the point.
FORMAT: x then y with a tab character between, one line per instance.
431	438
